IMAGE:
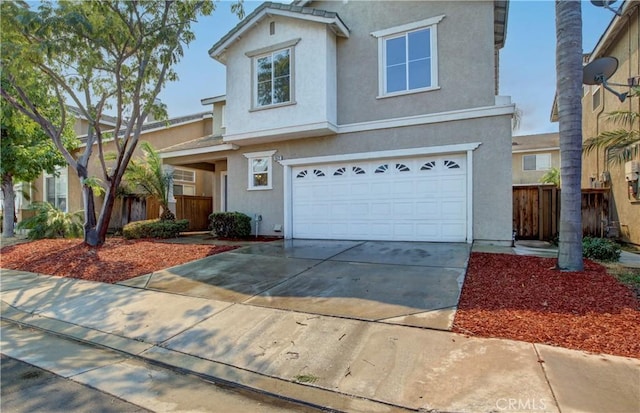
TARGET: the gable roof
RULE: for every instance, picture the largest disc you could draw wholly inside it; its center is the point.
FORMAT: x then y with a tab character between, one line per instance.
277	9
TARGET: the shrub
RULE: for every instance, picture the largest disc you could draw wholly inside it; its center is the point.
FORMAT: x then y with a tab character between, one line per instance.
50	222
600	249
230	224
154	228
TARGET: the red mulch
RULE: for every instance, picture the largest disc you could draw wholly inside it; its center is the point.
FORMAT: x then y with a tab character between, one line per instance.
117	260
525	298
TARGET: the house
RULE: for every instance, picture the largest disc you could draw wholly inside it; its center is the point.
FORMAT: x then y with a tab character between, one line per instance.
533	156
63	188
620	40
363	120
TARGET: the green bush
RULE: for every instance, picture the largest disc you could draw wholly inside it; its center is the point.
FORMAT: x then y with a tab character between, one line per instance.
50	222
154	228
230	224
600	249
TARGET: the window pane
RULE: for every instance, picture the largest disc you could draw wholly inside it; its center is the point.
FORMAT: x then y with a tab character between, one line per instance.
396	51
281	90
529	162
264	93
51	190
420	73
264	69
177	190
543	162
260	179
260	165
281	63
396	78
419	44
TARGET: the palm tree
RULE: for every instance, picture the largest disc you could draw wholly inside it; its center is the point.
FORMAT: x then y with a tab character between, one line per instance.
620	145
569	87
148	175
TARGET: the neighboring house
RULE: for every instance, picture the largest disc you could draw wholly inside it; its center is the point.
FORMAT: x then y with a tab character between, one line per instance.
363	120
533	156
64	190
619	40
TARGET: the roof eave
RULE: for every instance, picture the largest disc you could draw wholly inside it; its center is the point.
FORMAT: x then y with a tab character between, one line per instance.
218	50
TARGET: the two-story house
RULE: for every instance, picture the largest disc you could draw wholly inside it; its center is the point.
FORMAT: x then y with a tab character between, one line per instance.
363	120
620	40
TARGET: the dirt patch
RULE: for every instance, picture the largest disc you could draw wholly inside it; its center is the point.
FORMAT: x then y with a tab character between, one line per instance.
117	260
525	298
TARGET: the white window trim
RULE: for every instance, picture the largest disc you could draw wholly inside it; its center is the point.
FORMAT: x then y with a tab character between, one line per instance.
257	155
254	55
66	187
185	170
536	157
384	34
596	89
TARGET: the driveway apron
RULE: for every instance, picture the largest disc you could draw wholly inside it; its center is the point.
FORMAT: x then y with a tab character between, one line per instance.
408	283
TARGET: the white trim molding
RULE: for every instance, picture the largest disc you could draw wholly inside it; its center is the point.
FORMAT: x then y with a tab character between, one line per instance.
251	156
408	27
197	151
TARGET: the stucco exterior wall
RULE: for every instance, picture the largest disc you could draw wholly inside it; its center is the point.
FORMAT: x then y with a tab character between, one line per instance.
465	65
310	78
624	210
492	208
520	176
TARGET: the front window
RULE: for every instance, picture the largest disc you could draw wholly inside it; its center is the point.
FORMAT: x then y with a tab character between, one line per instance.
408	61
184	182
55	189
407	57
273	78
539	162
260	170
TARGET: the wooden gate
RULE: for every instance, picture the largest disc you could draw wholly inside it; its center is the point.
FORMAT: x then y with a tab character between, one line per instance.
536	211
196	209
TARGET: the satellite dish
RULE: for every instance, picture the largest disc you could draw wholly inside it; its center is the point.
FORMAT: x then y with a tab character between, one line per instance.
599	71
605	4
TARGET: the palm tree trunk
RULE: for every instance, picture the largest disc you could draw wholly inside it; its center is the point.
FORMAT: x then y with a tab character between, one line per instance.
569	89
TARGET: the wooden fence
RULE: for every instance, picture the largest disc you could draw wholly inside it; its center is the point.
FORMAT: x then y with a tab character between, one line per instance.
196	209
536	211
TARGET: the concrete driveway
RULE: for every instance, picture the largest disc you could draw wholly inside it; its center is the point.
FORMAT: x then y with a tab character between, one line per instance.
407	283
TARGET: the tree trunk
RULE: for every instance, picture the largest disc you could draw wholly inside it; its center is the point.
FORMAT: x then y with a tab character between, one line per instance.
569	90
9	208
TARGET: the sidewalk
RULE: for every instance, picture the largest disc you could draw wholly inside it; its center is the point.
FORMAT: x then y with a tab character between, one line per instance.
329	362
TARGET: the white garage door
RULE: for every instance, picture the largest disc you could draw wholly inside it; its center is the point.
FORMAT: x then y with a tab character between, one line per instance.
415	199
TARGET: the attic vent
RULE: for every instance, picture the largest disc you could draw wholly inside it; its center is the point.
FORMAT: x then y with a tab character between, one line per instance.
272	28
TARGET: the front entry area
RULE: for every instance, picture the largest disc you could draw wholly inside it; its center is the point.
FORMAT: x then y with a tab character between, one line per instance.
405	199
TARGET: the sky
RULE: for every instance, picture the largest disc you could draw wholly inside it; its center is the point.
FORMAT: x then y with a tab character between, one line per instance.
527	62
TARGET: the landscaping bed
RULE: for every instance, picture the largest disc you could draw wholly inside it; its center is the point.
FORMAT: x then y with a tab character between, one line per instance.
525	298
505	296
116	261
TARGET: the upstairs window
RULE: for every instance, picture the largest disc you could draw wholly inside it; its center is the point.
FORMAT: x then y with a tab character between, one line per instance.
539	162
273	78
407	58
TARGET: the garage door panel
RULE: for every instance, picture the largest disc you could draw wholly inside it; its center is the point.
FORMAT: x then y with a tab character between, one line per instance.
406	199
